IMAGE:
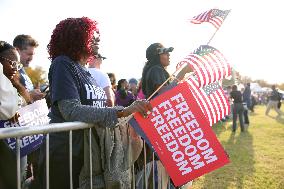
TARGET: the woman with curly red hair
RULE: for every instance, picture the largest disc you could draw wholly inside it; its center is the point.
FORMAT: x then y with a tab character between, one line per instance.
76	97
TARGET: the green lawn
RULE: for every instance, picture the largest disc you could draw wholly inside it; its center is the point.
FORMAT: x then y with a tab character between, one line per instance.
257	156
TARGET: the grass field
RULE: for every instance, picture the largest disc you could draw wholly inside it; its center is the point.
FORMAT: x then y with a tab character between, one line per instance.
257	155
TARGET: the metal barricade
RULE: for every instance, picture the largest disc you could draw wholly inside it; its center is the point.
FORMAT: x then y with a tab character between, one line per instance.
18	132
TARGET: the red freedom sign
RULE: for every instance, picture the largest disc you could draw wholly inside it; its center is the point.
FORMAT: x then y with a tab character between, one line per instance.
181	136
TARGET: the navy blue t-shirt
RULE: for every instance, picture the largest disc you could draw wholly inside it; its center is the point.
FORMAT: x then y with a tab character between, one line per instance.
69	80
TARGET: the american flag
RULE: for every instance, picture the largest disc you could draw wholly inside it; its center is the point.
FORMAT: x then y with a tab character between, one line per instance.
212	100
213	16
209	65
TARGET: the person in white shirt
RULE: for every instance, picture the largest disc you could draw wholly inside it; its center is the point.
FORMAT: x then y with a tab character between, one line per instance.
10	85
101	78
8	97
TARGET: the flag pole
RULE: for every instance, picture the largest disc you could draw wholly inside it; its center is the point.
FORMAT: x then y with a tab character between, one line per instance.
216	31
213	35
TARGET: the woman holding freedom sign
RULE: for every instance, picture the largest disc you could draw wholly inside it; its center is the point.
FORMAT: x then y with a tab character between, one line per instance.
75	96
156	80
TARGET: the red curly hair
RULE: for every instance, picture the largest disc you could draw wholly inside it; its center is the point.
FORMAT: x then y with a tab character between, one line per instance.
72	37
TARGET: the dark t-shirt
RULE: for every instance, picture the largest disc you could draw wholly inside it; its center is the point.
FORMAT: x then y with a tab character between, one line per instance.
237	96
155	76
275	96
69	80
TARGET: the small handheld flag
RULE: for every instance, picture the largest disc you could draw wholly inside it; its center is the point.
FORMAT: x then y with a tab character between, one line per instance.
208	64
214	16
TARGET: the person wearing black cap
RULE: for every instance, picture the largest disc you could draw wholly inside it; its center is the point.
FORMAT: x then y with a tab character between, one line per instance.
153	76
154	72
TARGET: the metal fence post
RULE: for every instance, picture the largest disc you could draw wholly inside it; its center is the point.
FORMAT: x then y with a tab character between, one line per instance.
91	159
145	163
70	159
18	163
47	161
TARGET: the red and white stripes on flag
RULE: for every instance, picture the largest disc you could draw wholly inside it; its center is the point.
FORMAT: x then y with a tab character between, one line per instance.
213	16
209	65
212	100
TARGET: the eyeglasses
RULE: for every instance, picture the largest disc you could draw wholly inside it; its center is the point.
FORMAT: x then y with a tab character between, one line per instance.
15	64
98	56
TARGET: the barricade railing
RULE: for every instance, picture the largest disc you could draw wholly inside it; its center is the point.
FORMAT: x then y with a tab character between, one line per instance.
18	132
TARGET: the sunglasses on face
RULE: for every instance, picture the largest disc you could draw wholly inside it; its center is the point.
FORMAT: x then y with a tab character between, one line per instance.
164	50
15	64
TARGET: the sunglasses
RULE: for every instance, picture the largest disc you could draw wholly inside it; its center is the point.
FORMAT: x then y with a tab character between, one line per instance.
15	64
164	50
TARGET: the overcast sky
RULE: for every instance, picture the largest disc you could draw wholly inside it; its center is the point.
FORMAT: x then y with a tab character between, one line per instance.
250	38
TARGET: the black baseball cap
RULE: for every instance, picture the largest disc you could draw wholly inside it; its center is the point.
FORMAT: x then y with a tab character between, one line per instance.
156	49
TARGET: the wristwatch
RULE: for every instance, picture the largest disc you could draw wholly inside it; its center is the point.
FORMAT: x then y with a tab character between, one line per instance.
120	111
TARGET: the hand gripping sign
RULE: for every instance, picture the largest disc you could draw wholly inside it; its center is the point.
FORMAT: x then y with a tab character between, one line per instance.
181	136
31	115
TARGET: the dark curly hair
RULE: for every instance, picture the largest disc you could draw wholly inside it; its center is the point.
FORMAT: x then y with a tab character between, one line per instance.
72	37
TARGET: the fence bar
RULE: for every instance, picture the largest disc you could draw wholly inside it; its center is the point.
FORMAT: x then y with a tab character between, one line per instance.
153	167
18	163
70	159
14	132
145	163
133	177
47	161
91	160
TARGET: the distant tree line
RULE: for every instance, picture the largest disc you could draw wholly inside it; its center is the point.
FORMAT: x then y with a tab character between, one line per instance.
261	82
37	75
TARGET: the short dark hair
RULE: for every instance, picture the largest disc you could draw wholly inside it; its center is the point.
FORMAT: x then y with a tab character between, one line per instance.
23	41
113	82
234	87
5	46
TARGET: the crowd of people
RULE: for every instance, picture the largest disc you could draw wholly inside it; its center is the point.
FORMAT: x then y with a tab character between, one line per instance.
243	102
79	91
